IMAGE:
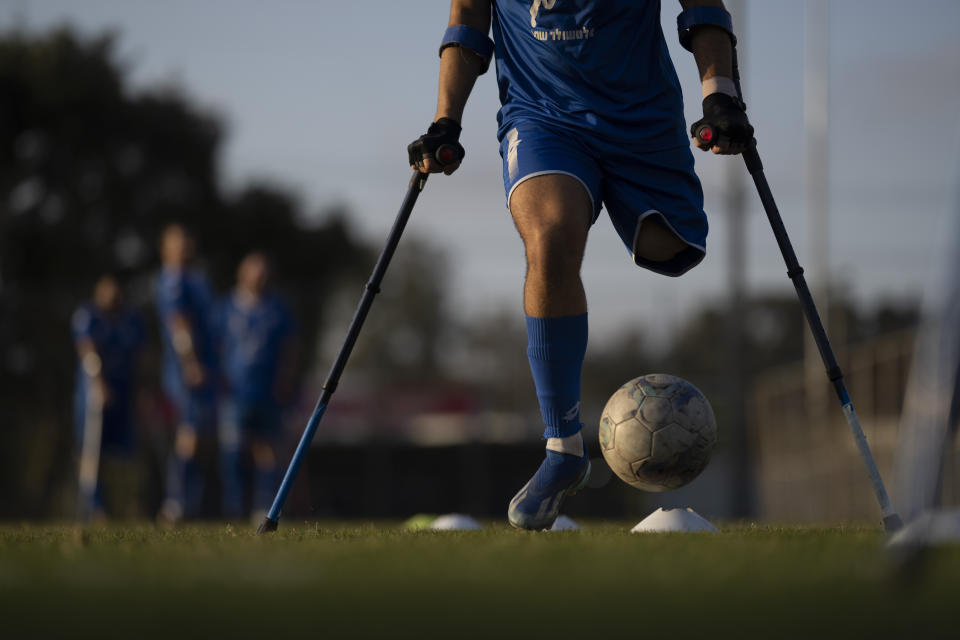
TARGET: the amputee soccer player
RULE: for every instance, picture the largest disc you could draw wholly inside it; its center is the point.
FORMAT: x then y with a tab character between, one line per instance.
187	321
108	336
256	359
591	117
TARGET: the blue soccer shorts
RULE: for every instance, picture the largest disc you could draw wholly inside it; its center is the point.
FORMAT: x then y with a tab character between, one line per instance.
630	184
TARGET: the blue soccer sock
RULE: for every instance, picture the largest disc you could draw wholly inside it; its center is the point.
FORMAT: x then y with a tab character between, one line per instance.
556	347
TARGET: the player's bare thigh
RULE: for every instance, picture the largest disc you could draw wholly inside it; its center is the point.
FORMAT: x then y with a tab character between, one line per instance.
552	209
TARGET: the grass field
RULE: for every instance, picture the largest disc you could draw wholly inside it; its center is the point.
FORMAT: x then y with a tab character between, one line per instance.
336	580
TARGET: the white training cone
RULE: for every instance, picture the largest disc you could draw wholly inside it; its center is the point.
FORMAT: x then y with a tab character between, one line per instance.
683	520
930	528
564	523
455	522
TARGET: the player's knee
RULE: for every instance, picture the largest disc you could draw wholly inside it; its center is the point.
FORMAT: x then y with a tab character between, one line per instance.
555	248
552	213
554	235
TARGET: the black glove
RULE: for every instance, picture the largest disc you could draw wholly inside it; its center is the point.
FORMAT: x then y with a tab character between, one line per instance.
724	124
440	143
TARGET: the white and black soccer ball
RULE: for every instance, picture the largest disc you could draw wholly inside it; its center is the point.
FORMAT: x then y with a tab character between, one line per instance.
657	432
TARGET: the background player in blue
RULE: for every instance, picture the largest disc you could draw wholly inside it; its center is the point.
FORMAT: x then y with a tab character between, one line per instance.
108	337
591	117
187	319
257	358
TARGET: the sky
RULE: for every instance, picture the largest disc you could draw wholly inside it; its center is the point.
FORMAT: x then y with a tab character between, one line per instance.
323	97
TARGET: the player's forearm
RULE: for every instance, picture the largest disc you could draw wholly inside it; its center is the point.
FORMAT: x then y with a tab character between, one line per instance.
711	46
459	67
92	366
711	50
90	360
183	343
458	73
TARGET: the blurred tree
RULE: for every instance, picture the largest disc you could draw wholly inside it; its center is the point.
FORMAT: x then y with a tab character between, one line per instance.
491	356
87	174
90	170
404	337
494	358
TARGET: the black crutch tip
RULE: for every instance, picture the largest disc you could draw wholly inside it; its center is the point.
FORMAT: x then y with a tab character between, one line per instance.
267	526
892	523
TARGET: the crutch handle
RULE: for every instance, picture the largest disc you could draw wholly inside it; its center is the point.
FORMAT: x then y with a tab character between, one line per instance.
704	134
448	154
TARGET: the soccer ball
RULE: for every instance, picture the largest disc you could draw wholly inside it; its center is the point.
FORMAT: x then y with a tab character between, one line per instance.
657	432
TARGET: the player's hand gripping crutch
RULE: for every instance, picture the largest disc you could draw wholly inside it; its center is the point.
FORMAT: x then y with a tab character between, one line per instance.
705	134
446	154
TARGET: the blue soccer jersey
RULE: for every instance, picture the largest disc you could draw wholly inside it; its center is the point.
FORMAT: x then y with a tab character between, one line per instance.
588	90
254	335
117	339
599	66
188	293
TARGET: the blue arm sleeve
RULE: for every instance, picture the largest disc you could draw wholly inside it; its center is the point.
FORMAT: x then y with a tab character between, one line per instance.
461	35
689	20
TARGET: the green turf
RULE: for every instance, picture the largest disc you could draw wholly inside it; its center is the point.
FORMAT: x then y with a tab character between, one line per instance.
349	580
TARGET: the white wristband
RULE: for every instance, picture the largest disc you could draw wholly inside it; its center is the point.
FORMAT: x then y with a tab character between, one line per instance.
719	84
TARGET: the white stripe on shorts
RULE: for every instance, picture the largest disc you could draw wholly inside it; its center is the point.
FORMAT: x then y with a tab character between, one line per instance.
513	141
